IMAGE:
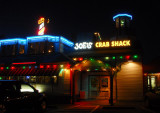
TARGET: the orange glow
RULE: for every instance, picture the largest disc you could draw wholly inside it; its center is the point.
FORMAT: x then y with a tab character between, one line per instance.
41	20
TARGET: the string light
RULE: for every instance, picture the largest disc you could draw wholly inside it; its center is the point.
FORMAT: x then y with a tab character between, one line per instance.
2	68
128	57
107	58
135	56
113	57
41	66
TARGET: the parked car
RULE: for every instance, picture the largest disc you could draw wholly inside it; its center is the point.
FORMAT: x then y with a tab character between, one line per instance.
15	95
152	98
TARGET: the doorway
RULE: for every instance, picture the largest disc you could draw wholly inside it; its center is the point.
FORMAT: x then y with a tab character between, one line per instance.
99	87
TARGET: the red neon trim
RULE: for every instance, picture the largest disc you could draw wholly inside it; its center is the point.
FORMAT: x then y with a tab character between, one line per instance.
24	63
41	66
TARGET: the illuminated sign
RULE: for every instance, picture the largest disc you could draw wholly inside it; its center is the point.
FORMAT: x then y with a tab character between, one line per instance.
41	26
102	44
83	45
123	43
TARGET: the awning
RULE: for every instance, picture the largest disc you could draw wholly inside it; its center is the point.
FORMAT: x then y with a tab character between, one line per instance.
29	72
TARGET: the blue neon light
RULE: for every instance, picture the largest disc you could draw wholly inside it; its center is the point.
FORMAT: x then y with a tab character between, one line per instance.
130	16
67	42
53	39
50	39
37	39
27	77
42	38
13	41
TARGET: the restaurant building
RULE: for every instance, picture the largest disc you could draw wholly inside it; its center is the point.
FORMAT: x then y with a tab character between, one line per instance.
98	69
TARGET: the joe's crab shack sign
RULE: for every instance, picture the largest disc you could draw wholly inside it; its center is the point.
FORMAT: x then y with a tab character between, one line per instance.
102	44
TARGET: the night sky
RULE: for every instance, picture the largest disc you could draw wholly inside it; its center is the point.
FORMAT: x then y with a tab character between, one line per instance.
69	18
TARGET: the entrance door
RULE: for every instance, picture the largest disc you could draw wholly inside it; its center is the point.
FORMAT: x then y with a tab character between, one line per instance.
99	87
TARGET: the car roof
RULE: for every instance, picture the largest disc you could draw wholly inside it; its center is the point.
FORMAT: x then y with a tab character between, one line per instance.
12	81
7	80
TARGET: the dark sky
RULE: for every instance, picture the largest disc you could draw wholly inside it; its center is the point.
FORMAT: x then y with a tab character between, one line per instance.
67	18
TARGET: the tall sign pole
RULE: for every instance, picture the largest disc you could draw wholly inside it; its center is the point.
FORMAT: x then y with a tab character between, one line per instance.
42	26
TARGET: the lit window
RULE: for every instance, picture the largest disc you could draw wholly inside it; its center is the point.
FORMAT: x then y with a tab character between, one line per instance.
153	82
21	49
122	23
54	79
50	47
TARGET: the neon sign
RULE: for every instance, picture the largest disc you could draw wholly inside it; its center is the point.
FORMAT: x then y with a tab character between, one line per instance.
123	43
120	43
41	26
83	45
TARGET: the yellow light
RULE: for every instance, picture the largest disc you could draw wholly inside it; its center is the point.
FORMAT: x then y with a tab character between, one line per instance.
41	32
48	21
49	51
61	66
102	44
75	59
120	43
84	61
99	61
41	20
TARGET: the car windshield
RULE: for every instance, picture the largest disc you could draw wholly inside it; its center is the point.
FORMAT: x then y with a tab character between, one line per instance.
27	88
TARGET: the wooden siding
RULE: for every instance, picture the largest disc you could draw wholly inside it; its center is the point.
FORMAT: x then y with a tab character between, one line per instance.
130	81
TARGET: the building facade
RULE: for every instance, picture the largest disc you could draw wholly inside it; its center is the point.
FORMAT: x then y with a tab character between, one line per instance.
102	69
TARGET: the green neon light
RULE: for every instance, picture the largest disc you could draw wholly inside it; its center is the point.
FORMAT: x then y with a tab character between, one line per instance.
135	56
24	67
113	57
121	57
7	67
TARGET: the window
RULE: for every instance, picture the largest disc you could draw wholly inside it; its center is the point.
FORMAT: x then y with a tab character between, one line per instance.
122	22
31	48
42	47
50	47
21	49
54	79
8	50
117	22
153	82
36	47
26	88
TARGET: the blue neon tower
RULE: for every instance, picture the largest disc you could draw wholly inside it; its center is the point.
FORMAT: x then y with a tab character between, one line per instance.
122	22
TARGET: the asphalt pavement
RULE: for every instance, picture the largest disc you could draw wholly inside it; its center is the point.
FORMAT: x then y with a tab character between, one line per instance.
92	107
